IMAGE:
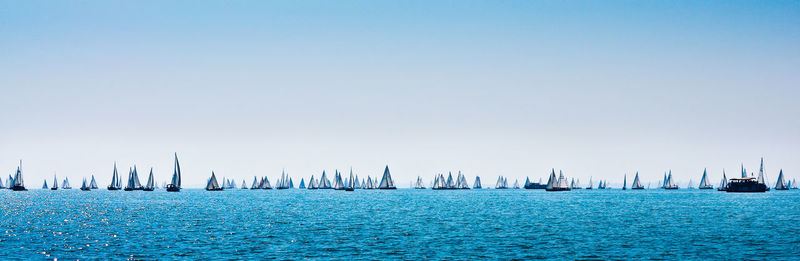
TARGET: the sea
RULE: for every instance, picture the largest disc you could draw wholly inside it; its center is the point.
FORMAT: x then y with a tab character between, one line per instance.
409	224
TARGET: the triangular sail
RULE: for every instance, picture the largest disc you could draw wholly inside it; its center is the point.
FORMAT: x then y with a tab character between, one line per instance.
386	180
781	184
552	181
93	183
302	183
176	174
636	184
212	183
477	183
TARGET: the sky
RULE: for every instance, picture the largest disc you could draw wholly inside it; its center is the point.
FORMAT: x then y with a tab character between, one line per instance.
598	89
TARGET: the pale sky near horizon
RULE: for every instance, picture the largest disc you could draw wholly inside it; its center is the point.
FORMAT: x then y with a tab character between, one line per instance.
513	88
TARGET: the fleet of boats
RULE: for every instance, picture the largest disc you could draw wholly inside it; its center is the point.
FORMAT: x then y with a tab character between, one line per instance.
745	183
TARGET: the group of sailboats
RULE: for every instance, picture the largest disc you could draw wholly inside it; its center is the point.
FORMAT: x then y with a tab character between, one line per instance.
460	182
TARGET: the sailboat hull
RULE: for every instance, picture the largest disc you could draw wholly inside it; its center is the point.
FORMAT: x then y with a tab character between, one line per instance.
148	189
85	189
53	188
387	188
113	188
349	189
18	188
707	187
637	188
557	189
173	188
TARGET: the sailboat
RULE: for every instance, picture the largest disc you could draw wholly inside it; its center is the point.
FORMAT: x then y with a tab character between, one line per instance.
150	186
350	182
516	184
244	184
557	184
636	184
65	184
704	184
312	183
84	186
115	180
625	182
44	186
324	183
17	184
690	185
794	184
55	182
477	183
212	184
386	181
302	184
93	183
338	184
419	184
723	185
590	183
781	185
133	180
175	183
500	184
669	184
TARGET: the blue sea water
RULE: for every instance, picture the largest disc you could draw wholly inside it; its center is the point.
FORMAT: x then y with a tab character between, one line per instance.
401	224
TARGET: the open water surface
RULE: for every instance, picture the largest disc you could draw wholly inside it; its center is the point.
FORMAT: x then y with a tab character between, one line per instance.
401	224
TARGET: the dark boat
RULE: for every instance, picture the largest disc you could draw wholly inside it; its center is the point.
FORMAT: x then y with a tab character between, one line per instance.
84	186
55	183
175	185
747	184
18	184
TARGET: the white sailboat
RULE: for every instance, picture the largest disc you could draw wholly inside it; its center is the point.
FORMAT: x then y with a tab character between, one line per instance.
625	182
704	184
499	184
669	183
175	184
781	185
312	183
115	180
55	182
386	180
212	184
324	183
93	183
65	184
477	183
350	182
84	185
723	185
636	183
151	182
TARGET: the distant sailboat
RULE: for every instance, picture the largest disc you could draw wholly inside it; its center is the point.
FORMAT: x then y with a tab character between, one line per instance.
175	184
625	182
386	181
18	184
516	184
557	184
65	184
500	184
324	183
419	184
636	184
723	185
350	182
115	180
212	184
55	182
477	183
151	183
338	184
244	184
312	183
302	184
669	183
93	183
781	185
133	180
704	184
84	186
590	183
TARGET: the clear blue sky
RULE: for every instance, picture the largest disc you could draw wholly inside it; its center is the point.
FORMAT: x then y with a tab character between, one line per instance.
597	88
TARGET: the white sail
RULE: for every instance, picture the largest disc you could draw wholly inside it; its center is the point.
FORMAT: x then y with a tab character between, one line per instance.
176	174
636	184
552	182
212	183
114	178
670	184
761	179
151	183
324	183
477	183
590	183
516	184
781	184
93	183
386	180
499	183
